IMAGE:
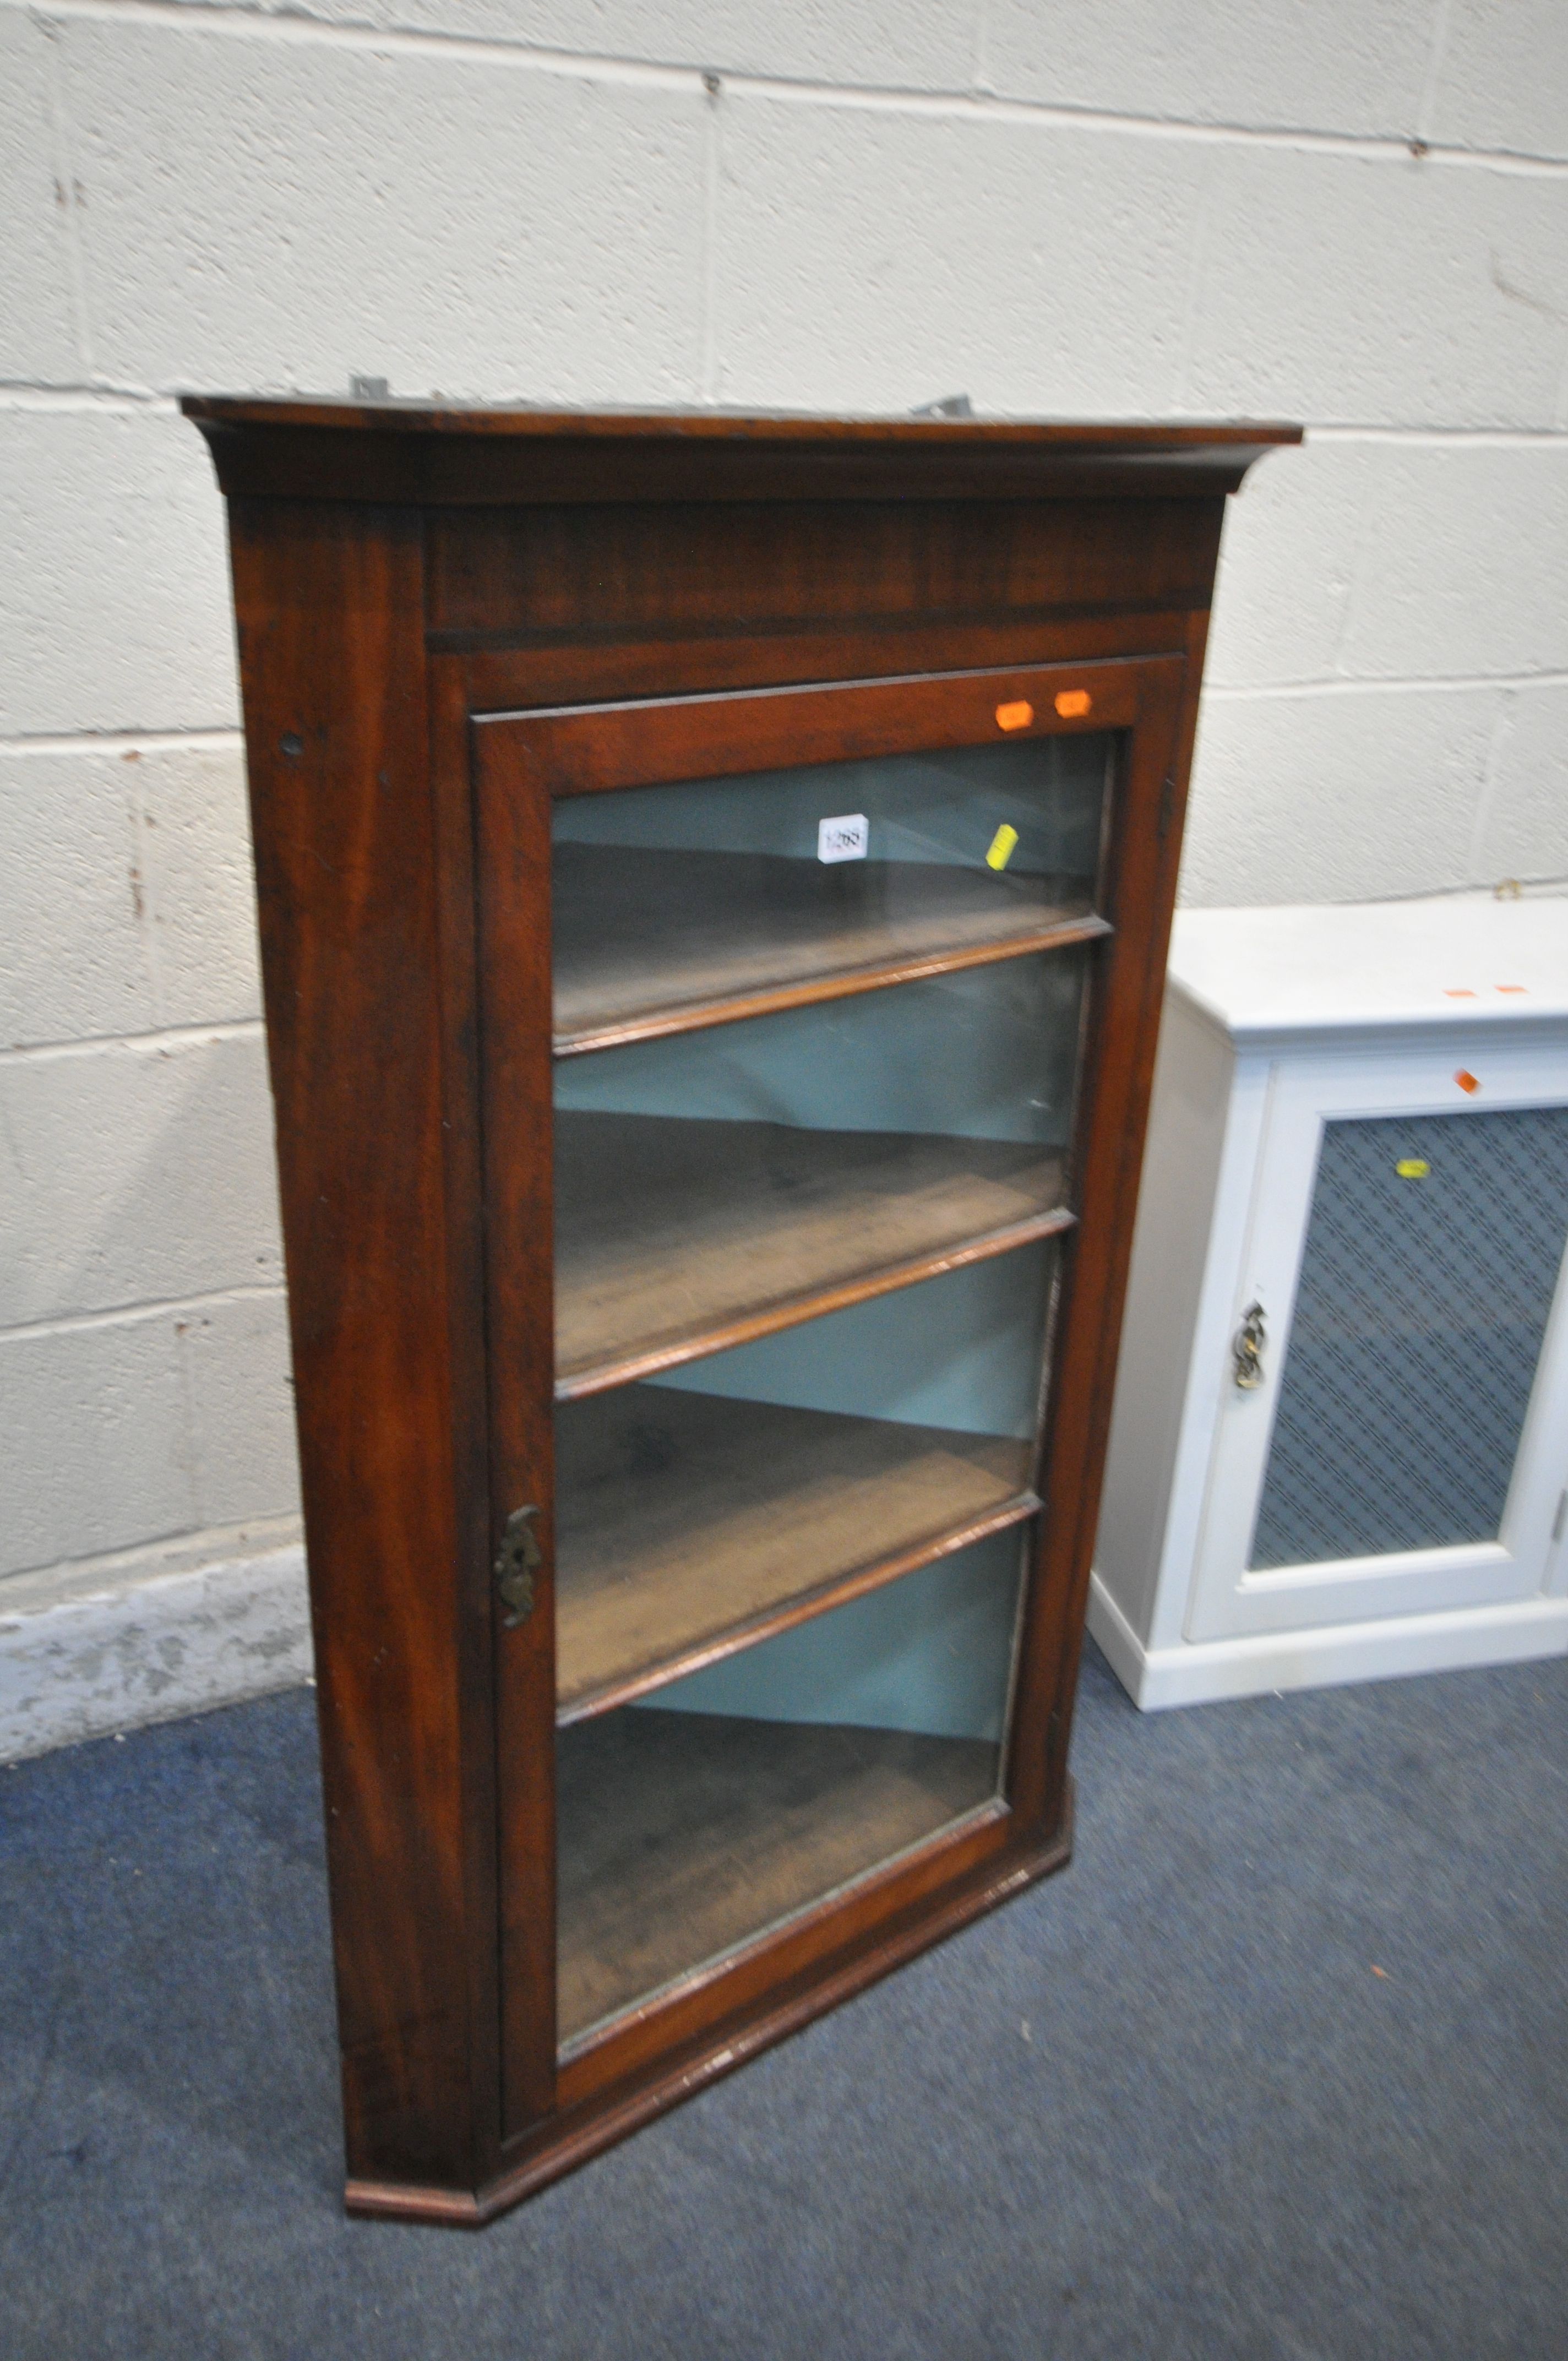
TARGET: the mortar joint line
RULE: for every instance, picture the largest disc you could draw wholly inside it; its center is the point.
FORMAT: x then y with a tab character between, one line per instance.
1437	56
158	1040
156	1307
192	16
712	170
1502	723
1399	684
66	194
980	51
274	1533
125	743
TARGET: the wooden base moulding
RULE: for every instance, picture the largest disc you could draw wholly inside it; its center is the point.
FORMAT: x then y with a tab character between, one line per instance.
585	2132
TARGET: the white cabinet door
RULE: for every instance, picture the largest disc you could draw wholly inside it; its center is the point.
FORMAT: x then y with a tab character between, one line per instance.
1407	1448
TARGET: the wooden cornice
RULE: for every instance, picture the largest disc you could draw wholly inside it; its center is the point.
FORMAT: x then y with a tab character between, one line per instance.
426	455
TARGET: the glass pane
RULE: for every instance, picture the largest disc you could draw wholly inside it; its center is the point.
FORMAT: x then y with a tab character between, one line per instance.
728	1801
675	896
1430	1262
692	1503
706	1176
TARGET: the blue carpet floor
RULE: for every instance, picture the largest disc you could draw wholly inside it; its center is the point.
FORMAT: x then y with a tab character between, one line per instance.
1162	2105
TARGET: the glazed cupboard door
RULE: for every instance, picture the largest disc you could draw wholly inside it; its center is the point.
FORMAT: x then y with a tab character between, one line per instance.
805	1079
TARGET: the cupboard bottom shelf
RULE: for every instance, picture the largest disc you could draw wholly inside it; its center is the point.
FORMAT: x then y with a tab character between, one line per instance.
683	1834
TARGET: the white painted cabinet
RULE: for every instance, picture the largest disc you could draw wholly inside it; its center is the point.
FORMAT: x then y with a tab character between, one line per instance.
1358	1146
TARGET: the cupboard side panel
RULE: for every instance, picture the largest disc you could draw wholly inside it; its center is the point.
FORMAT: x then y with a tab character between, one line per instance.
329	606
1166	1281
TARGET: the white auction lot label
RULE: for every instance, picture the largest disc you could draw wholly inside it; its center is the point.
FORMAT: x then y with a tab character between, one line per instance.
845	838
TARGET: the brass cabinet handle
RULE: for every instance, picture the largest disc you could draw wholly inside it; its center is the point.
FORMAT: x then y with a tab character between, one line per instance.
1247	1349
517	1562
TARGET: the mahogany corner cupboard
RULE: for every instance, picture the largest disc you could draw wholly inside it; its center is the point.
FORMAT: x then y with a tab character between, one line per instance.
715	876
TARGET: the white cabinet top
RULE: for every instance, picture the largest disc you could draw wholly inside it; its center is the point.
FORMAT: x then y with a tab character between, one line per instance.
1268	976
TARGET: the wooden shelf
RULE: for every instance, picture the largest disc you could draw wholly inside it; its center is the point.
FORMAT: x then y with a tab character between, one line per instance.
676	1236
647	943
690	1525
682	1834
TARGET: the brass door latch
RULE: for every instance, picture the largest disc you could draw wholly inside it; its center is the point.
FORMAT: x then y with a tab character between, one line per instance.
1247	1349
517	1562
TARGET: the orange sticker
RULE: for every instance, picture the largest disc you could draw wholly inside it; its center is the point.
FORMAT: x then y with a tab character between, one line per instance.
1466	1080
1457	991
1071	702
1015	717
1510	987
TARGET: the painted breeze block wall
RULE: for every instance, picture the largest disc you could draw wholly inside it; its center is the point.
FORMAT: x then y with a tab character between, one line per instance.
1354	214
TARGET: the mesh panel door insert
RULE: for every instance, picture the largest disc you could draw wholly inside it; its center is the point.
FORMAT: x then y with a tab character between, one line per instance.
1432	1260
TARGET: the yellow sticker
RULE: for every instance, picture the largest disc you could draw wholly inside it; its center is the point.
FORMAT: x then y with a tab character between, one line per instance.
1002	845
1412	1168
